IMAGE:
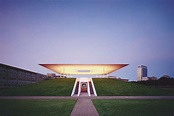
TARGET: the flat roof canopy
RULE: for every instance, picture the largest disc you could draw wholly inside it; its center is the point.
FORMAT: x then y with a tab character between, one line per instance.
84	69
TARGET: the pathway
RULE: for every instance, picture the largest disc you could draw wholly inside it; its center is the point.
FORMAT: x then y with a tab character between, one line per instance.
84	107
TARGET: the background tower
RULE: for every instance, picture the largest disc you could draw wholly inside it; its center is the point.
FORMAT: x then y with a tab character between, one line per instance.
142	73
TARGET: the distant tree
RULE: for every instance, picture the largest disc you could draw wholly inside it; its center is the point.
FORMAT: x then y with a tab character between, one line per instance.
166	80
165	76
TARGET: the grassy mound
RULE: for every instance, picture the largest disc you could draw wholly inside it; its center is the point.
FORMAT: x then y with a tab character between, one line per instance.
54	87
36	107
113	87
134	107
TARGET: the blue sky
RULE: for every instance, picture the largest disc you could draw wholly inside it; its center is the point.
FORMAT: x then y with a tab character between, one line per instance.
54	31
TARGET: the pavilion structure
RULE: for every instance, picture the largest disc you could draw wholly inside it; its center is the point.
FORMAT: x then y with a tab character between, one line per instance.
84	85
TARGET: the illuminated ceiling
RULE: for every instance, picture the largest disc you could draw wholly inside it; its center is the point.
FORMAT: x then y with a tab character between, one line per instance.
84	69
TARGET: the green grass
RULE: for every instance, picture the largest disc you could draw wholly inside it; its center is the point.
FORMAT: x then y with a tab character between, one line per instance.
135	107
113	87
54	87
36	107
104	87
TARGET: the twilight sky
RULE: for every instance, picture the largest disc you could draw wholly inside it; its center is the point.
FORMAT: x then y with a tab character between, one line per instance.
89	31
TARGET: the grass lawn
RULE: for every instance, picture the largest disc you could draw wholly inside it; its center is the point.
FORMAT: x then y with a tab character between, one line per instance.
113	87
54	87
135	107
36	107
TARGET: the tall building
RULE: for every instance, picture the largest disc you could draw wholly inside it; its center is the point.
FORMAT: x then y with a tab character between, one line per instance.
142	73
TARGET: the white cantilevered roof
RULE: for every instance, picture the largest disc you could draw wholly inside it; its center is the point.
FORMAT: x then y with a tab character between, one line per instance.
85	69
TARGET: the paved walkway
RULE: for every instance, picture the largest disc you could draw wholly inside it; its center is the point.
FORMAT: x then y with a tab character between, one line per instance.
84	107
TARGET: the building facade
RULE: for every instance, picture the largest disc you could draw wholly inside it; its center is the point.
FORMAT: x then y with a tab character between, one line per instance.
12	76
142	73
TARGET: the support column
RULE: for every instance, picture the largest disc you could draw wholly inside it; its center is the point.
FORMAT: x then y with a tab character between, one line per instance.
75	84
93	87
88	89
79	90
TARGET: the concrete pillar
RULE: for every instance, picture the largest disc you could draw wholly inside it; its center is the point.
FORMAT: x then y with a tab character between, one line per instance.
88	89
